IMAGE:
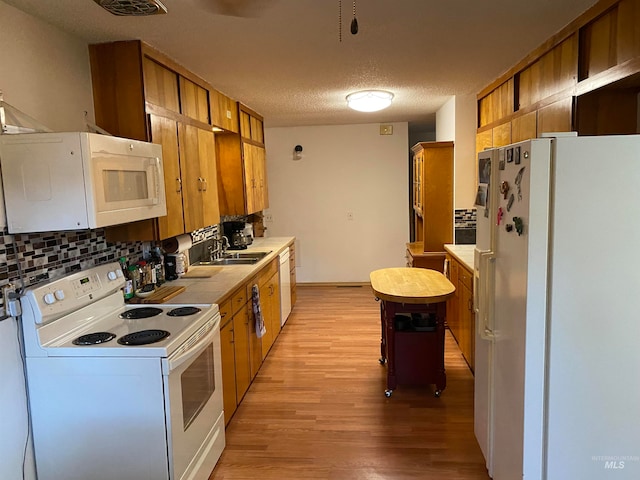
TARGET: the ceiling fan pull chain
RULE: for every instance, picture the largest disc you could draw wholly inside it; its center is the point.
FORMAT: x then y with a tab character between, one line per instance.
340	20
354	22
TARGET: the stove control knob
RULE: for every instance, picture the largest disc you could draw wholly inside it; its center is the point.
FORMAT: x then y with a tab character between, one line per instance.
49	299
59	294
111	275
119	274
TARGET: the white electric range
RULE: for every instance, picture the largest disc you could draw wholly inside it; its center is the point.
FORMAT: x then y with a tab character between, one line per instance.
121	391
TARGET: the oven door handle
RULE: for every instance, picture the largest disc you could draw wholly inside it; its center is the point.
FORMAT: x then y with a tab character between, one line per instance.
192	351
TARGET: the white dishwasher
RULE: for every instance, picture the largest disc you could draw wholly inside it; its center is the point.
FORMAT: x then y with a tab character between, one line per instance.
285	287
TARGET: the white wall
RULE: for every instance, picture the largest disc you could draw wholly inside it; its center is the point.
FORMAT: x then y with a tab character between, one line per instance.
44	73
344	168
456	121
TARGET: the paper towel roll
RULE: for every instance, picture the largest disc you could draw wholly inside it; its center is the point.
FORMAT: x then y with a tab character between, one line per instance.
181	243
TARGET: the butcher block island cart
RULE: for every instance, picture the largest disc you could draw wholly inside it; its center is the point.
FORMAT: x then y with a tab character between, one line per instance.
412	317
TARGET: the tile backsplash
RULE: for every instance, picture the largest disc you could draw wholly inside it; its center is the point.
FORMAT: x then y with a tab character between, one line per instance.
53	254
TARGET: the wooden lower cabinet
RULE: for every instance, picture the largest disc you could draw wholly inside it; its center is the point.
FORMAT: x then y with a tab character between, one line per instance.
227	351
460	311
269	284
242	350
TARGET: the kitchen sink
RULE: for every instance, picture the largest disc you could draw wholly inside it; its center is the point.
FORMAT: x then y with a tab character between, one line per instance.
247	255
236	258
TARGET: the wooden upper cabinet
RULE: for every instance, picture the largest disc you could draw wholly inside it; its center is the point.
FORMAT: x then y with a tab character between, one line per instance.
524	127
198	173
251	125
556	117
140	93
160	85
497	104
553	72
437	193
502	135
224	111
242	172
165	132
194	100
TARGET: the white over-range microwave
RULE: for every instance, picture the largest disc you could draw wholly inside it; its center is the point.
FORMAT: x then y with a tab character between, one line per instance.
79	180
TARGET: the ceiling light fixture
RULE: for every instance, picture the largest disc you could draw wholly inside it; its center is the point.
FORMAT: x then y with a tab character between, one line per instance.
369	100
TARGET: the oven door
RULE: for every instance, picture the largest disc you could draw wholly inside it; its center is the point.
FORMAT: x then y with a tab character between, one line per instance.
195	408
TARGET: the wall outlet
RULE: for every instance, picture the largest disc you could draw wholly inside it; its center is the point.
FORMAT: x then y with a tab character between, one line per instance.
268	217
350	216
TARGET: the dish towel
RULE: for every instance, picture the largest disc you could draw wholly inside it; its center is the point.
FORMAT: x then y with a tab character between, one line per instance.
257	312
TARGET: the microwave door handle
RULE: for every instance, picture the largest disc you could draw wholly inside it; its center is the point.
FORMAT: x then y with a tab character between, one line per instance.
155	162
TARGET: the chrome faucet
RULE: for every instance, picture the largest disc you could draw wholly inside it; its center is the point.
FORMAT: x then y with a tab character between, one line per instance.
219	242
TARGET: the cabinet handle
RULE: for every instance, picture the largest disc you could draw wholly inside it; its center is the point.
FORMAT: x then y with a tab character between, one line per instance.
204	184
178	185
233	336
470	305
199	184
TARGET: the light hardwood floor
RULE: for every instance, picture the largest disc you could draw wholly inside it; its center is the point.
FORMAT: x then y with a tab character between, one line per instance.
317	409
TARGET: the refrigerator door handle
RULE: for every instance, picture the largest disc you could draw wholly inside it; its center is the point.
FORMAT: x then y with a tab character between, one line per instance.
481	294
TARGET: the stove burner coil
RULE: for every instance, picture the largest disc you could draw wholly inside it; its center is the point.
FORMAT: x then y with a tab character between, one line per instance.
94	338
183	311
142	312
143	337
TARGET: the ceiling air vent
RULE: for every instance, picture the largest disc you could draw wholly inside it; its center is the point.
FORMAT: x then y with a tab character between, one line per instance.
133	8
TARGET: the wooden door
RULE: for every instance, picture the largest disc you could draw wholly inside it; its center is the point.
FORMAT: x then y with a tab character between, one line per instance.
266	308
241	347
208	173
250	184
160	85
194	100
197	165
228	370
165	132
261	200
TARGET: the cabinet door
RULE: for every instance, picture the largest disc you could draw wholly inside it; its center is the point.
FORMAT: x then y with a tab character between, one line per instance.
255	175
265	306
197	165
160	85
165	132
250	184
194	100
224	111
208	172
228	370
241	346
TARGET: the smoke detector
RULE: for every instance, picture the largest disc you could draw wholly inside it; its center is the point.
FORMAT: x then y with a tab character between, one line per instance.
133	8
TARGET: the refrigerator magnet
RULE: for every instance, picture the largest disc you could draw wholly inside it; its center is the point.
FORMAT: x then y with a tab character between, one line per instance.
516	155
518	181
484	170
510	202
501	165
509	155
481	196
519	225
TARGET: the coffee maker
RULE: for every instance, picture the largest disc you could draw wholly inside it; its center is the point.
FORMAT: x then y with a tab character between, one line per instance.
234	231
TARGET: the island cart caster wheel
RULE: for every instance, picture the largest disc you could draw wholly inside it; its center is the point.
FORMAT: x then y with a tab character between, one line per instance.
437	393
382	361
387	393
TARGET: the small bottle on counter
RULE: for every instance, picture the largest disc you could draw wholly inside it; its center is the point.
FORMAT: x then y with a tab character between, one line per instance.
127	290
158	260
134	275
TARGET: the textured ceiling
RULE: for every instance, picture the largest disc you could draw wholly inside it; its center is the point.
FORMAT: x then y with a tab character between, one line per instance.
285	60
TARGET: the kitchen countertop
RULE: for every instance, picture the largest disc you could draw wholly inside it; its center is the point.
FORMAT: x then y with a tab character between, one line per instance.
463	253
211	284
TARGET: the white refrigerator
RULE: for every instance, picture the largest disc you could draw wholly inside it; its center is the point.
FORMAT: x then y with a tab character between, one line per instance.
557	368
